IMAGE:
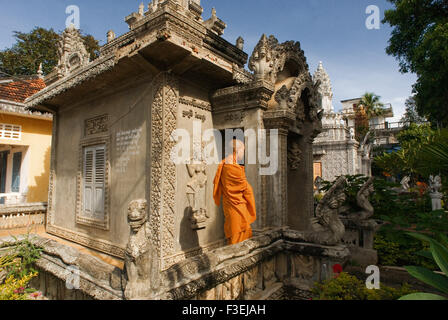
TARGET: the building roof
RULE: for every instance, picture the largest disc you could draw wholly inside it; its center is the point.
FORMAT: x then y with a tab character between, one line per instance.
19	90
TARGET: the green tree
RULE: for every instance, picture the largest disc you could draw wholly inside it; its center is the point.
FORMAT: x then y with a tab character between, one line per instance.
372	105
35	47
419	41
411	115
407	160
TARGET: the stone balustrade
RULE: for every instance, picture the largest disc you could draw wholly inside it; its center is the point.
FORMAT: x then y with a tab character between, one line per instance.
22	215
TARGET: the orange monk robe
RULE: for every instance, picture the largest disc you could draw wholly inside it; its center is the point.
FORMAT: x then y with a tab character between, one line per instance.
238	201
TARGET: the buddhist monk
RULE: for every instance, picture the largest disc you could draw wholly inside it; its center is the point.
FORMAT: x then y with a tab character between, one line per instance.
237	195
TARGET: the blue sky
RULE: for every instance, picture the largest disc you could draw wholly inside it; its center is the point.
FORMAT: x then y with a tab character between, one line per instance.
332	31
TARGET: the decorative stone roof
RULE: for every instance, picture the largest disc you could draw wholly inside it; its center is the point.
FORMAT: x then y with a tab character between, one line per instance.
177	22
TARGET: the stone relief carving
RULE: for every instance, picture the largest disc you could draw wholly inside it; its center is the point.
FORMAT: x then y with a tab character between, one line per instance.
97	125
196	195
362	199
269	272
282	98
303	267
72	53
138	254
250	280
261	61
294	155
163	170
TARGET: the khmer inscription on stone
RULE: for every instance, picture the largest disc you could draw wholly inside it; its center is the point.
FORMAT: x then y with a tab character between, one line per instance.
128	147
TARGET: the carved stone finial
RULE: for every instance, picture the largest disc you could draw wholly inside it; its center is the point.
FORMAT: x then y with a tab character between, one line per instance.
261	60
215	24
40	72
72	52
324	88
110	36
141	9
240	43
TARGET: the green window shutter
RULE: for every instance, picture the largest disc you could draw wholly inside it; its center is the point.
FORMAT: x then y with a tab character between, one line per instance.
16	166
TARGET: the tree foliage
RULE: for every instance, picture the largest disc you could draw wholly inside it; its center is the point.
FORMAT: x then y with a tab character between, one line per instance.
35	47
407	160
411	115
419	41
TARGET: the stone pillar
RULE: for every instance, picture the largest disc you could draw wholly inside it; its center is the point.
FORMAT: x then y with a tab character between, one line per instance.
277	184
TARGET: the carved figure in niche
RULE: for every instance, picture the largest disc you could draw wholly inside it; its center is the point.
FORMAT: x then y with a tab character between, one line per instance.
261	62
327	226
196	195
294	155
138	255
362	199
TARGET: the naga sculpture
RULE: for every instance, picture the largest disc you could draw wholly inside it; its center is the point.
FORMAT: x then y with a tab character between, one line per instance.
327	226
261	61
362	199
139	256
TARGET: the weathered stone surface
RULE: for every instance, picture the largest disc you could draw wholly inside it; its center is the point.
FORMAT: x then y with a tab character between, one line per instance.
97	279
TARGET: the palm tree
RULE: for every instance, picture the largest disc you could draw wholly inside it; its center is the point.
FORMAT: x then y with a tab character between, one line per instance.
371	104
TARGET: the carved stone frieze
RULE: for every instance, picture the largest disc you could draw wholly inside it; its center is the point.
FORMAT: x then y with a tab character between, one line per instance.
97	125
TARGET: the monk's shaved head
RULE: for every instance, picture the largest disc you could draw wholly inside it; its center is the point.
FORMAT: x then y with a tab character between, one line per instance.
236	145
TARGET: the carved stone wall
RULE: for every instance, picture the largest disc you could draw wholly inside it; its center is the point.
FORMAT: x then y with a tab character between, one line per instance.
163	171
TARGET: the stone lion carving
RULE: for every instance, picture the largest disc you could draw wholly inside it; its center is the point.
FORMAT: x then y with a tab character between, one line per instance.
362	199
327	227
138	255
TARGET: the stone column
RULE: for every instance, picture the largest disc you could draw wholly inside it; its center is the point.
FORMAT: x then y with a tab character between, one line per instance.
277	184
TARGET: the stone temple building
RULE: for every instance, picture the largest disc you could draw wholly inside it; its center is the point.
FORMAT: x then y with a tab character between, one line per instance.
115	189
336	151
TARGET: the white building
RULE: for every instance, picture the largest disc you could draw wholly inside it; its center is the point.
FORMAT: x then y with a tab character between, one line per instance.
336	151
